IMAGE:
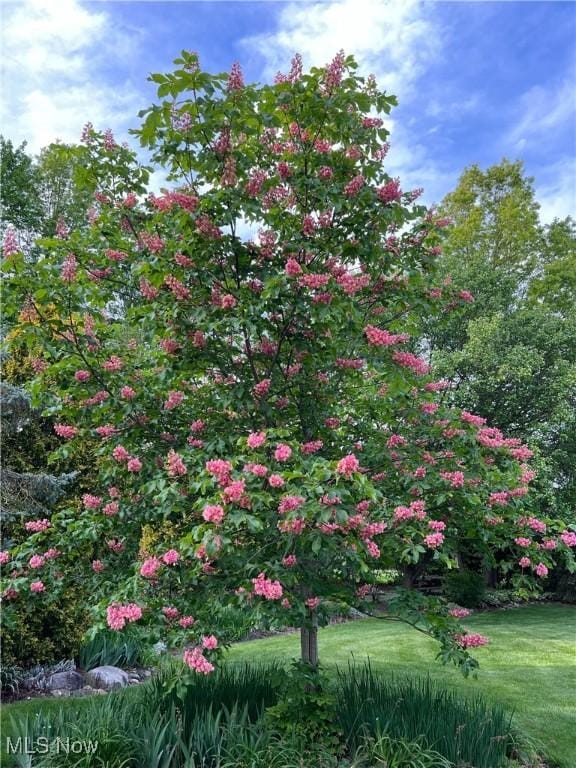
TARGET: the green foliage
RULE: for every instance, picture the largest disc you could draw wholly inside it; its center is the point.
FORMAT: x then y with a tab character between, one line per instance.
47	634
306	704
465	588
464	731
383	751
111	648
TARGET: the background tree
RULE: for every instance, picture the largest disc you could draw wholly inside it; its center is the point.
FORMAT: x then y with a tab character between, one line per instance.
511	355
261	404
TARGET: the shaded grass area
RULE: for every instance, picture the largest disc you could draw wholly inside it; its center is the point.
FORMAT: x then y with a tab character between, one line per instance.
529	666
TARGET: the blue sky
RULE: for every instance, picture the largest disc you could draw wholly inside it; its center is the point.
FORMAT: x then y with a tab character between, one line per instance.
476	81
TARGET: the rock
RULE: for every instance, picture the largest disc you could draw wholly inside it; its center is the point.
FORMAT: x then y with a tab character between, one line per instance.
107	677
70	681
61	692
145	674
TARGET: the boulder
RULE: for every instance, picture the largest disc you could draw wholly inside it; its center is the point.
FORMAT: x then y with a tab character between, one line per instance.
107	677
69	681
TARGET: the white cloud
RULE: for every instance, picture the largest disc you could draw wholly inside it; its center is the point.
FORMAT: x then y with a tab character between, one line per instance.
557	197
543	111
394	39
53	54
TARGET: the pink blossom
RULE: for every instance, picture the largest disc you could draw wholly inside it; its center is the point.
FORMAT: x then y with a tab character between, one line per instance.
175	465
170	612
256	469
213	513
261	388
69	268
471	641
65	430
434	540
36	526
293	268
372	548
353	187
82	375
127	393
148	290
97	566
313	602
524	562
36	561
522	541
394	441
134	464
325	172
456	479
536	525
196	660
150	567
289	561
289	503
234	491
408	360
390	192
541	570
171	557
348	465
37	586
235	78
10	243
218	468
228	301
499	498
120	453
276	481
459	613
312	447
117	615
4	557
106	431
282	452
186	621
111	509
210	642
90	501
114	363
568	538
271	590
549	544
437	525
490	437
175	397
256	439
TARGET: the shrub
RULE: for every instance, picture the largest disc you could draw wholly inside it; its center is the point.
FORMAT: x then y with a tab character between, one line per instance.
466	588
464	731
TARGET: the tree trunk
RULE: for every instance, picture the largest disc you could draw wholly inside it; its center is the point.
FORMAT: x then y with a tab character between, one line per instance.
309	642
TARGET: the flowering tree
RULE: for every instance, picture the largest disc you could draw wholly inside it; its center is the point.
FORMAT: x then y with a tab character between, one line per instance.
269	434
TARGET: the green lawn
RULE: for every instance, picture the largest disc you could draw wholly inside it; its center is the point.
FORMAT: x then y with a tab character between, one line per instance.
530	665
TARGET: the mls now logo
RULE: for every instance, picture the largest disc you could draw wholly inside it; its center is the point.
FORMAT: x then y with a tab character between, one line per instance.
44	746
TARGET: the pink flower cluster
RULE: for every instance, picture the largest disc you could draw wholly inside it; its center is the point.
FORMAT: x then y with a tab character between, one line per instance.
175	397
289	503
175	465
414	363
434	540
150	567
456	479
459	613
213	513
256	439
282	452
271	590
65	430
36	526
312	447
568	538
348	465
382	338
196	660
117	615
471	641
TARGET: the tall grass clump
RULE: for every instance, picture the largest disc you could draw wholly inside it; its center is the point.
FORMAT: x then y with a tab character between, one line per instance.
466	731
111	648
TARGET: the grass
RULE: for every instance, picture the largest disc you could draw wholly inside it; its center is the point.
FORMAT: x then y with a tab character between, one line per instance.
529	667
